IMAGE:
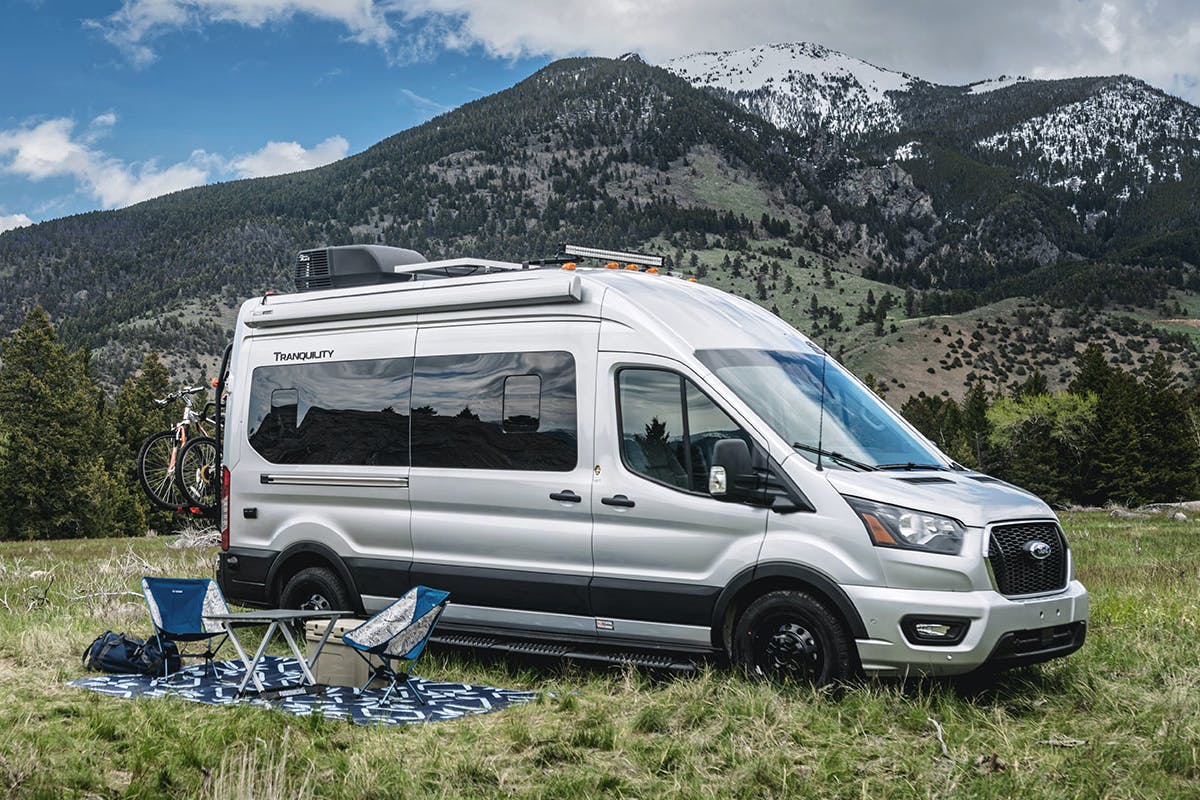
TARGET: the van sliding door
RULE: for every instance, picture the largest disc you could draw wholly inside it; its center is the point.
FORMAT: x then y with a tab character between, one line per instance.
501	475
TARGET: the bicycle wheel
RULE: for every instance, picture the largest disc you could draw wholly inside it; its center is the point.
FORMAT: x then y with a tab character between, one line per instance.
196	472
156	471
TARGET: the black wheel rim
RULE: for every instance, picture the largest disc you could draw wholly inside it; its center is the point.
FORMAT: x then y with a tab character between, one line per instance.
315	602
786	647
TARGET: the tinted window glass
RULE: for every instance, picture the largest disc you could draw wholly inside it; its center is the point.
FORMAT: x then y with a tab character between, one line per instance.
495	411
707	424
669	428
341	412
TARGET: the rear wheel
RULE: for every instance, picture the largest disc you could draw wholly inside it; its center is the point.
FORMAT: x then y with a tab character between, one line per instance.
791	636
156	463
196	471
315	589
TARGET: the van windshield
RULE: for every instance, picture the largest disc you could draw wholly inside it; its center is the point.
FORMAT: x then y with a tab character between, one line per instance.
784	388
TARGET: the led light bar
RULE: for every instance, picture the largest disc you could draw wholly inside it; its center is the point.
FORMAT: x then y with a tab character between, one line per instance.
612	255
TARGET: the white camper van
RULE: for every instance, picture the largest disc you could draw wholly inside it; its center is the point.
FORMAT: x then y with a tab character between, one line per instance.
614	462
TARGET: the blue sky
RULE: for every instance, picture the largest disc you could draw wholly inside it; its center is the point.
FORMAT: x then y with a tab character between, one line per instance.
108	102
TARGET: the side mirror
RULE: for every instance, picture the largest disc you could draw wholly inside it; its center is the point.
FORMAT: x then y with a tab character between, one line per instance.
731	470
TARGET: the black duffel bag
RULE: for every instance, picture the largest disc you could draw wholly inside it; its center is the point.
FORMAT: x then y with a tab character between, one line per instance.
124	655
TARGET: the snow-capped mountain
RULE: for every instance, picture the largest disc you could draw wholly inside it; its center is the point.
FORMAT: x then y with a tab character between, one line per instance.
1116	134
801	87
1125	133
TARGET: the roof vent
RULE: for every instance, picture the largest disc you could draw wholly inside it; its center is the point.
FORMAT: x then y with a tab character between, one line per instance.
352	265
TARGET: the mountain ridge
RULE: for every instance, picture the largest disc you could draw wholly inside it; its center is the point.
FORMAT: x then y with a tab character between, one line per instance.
620	154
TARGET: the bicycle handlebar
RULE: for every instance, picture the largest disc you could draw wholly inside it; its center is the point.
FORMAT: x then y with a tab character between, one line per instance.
176	395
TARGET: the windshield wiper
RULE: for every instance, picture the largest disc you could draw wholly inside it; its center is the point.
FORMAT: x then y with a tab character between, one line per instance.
909	465
834	455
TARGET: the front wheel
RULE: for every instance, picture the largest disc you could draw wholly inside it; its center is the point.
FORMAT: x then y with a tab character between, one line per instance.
196	471
791	636
156	464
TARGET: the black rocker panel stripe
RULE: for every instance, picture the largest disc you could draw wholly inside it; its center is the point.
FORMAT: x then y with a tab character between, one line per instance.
500	588
653	601
676	603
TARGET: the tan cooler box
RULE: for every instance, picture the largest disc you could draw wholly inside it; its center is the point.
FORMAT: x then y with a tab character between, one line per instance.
338	665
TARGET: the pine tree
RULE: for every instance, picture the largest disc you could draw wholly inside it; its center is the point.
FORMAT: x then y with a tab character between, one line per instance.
1035	384
1119	466
976	429
54	481
1092	371
1170	453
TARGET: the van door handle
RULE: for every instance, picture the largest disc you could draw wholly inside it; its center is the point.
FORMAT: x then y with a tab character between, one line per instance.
566	496
619	500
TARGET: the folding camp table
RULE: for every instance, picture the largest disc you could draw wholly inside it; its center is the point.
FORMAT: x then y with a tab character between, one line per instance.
278	620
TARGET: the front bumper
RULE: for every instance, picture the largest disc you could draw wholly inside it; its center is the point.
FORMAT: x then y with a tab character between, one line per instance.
1002	632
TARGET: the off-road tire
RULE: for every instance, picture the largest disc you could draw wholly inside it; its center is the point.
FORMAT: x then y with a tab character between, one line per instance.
315	589
790	636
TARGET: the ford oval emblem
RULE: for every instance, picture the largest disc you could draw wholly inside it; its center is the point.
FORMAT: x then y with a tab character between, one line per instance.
1038	550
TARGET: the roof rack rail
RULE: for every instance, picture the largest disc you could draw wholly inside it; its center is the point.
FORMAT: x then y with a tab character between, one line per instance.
612	255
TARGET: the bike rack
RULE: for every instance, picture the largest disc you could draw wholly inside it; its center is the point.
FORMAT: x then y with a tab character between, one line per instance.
222	374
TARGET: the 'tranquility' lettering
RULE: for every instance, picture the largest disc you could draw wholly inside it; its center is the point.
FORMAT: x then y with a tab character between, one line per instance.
305	355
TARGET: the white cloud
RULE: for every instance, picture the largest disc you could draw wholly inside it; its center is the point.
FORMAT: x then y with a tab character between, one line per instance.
277	158
423	103
10	221
137	23
948	42
50	149
959	42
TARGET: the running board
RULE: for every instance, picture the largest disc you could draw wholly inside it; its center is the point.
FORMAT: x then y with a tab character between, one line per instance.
554	650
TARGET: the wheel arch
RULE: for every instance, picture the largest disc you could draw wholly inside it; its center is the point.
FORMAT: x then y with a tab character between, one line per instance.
301	555
753	582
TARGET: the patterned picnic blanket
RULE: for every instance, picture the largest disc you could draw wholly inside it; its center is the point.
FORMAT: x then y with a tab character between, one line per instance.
198	684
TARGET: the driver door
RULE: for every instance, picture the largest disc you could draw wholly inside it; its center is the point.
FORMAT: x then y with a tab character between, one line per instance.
663	548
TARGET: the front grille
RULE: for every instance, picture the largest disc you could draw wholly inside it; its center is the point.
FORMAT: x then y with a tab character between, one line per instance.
312	271
1017	572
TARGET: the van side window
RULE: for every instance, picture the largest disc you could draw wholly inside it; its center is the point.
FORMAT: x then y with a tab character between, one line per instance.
495	411
339	412
669	428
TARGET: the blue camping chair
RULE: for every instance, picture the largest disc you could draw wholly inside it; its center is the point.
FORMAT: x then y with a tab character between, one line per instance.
398	633
178	607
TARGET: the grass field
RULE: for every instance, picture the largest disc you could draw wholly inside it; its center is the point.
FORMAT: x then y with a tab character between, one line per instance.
1121	718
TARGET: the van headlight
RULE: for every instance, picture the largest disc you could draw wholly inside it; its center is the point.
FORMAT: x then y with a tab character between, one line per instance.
893	526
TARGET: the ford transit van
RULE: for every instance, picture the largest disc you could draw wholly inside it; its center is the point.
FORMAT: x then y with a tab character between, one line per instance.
614	460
